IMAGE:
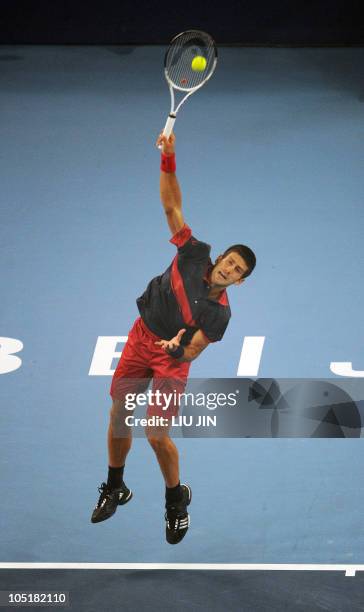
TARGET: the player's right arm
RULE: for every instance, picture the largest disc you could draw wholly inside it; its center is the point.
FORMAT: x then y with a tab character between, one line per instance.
169	189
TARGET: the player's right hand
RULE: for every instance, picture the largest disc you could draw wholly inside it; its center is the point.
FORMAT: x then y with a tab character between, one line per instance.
167	143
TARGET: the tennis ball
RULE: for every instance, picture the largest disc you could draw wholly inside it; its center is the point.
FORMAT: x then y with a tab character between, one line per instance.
198	63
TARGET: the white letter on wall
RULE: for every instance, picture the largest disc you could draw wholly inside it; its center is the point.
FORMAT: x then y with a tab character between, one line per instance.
250	357
8	361
345	368
104	354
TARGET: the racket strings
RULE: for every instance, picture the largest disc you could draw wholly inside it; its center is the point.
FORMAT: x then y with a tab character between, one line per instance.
180	56
182	73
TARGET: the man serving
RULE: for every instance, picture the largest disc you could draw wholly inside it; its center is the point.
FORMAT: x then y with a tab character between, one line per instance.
181	312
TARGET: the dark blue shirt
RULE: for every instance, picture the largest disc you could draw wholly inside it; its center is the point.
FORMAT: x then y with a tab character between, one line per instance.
178	298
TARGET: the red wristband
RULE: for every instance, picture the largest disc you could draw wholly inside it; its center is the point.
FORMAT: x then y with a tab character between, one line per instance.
168	163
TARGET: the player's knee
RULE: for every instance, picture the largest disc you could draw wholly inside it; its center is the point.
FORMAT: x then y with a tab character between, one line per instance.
158	441
118	422
117	408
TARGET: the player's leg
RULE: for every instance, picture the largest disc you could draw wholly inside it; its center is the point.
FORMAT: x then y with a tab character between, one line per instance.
119	435
178	496
115	492
166	453
131	376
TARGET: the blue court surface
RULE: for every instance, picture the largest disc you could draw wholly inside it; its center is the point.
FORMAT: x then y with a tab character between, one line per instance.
270	154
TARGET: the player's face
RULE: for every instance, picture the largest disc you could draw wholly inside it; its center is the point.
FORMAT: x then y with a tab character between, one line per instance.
228	270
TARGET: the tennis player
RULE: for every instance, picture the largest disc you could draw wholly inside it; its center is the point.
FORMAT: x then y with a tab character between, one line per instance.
181	312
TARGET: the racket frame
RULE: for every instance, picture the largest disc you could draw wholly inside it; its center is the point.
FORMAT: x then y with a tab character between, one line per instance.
172	87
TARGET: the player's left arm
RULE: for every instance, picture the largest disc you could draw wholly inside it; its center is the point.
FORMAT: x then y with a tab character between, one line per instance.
198	343
170	191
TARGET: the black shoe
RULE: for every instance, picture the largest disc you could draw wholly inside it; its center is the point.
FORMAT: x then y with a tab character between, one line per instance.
109	500
177	517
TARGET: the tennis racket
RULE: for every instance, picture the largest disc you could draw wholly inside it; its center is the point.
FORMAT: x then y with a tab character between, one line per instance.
187	51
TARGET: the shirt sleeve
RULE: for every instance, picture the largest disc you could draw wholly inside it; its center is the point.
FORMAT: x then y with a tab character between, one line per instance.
188	246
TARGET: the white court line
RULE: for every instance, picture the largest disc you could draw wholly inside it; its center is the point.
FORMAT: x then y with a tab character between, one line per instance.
307	567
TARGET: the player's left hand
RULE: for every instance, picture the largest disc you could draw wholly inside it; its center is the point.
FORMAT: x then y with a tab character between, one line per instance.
171	345
168	144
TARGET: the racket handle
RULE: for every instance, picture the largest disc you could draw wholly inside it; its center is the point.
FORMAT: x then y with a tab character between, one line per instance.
168	127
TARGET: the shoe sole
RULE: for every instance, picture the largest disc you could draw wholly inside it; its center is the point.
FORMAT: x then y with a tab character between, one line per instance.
121	503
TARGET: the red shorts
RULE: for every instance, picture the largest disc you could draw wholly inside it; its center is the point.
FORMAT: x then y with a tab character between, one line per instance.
142	360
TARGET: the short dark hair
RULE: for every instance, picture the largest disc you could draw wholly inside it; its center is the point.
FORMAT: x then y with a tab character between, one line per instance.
246	253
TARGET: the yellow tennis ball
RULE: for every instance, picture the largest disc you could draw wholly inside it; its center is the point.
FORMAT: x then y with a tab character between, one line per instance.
198	63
